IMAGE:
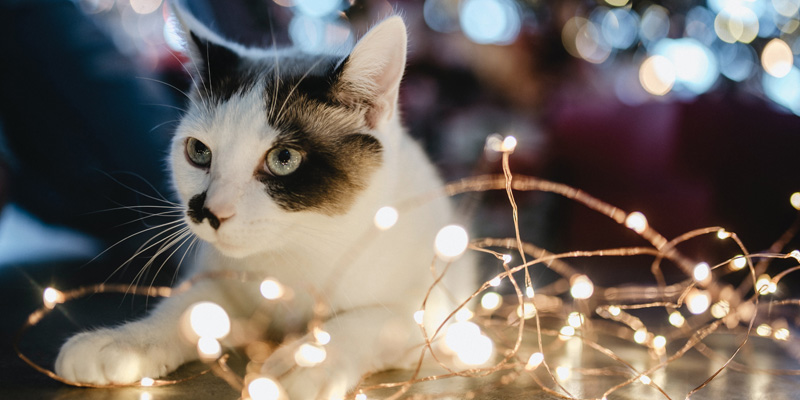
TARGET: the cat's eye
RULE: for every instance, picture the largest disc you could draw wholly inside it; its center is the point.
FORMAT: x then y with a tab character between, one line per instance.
283	161
198	153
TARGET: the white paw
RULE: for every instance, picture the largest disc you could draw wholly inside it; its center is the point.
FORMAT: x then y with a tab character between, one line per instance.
330	379
108	356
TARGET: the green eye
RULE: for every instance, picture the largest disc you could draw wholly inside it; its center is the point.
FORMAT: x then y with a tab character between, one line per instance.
198	153
283	161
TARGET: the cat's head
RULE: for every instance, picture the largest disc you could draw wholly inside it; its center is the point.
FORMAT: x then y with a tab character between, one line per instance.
277	145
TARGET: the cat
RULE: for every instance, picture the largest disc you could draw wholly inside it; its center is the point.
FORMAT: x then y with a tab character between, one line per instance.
282	160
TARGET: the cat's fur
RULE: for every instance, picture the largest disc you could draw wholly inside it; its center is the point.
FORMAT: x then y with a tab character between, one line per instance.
341	113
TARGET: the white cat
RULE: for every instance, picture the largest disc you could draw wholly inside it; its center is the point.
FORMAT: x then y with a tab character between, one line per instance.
282	161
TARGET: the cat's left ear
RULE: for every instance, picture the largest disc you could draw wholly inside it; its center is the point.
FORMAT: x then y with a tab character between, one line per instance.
373	70
212	56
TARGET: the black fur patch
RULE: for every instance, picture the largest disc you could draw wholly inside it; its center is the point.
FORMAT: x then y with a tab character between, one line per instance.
197	211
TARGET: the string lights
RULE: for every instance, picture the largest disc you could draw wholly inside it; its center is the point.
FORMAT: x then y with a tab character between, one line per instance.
572	309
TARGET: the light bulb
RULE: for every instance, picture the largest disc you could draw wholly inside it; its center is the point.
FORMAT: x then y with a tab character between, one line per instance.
451	242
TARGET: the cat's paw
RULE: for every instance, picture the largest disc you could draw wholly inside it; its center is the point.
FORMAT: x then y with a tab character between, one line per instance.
108	356
327	380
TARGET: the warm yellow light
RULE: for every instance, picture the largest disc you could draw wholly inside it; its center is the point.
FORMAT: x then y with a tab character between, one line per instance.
495	282
386	217
534	361
645	379
464	314
697	301
468	343
787	8
582	287
777	60
509	144
659	342
795	254
361	396
614	310
701	272
720	309
764	330
146	381
263	389
738	263
617	3
575	319
491	301
636	221
208	347
51	297
506	258
322	337
566	332
794	199
309	355
640	336
271	289
657	76
209	320
676	319
419	316
782	334
723	234
529	292
451	242
478	353
526	310
145	396
736	23
563	372
765	285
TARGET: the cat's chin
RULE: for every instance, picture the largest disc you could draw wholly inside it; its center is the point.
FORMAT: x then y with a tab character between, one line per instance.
234	251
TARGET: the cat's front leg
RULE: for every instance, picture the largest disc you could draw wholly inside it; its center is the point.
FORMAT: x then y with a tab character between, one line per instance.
151	347
361	341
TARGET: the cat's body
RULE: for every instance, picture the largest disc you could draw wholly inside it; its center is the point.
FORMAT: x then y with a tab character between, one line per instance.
282	161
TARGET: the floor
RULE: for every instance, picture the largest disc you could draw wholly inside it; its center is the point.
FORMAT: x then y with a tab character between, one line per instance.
22	281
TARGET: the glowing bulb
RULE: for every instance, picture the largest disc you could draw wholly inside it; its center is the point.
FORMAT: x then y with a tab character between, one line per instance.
575	319
701	272
209	320
782	334
659	342
738	263
271	289
322	337
529	292
146	381
451	242
460	334
263	389
478	353
491	301
506	258
468	343
419	316
657	76
526	310
145	6
495	282
563	372
614	310
636	221
777	60
697	301
720	309
723	234
52	297
676	319
361	396
640	336
145	396
794	199
509	144
763	285
208	347
463	315
764	330
534	361
645	379
795	254
309	355
582	287
386	217
566	332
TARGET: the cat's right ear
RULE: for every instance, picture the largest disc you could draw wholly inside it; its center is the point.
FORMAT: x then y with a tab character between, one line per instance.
213	57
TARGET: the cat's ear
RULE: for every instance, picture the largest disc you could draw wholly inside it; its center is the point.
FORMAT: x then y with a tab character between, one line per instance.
373	70
212	56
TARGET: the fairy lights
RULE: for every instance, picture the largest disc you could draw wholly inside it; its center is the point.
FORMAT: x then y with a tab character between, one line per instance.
794	199
473	339
386	217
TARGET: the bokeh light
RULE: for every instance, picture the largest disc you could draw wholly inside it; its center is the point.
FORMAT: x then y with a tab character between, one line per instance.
777	58
145	6
736	23
317	8
208	319
697	301
309	355
785	90
490	21
315	35
590	44
441	15
581	287
451	242
386	217
737	61
263	389
271	289
655	24
657	77
491	301
620	27
786	8
695	65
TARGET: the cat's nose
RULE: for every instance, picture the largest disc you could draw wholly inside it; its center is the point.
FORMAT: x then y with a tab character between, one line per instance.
217	216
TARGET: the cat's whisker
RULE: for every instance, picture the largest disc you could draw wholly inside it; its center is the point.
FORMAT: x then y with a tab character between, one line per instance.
183	257
171	86
177	244
161	198
172	213
191	77
170	106
283	108
172	225
153	129
164	244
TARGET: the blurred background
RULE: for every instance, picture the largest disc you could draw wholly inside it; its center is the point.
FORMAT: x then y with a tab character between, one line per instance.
685	110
